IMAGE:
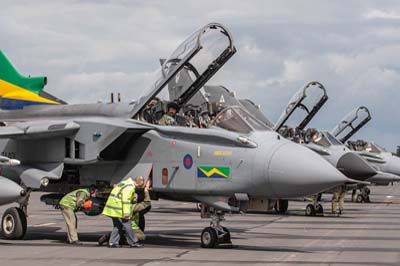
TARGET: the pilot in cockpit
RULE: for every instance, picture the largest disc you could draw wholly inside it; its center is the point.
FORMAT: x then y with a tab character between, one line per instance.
168	119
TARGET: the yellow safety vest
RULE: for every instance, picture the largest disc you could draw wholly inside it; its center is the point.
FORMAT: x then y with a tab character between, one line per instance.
119	204
69	200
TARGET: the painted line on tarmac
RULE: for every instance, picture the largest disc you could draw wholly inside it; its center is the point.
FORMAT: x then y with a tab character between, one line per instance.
42	225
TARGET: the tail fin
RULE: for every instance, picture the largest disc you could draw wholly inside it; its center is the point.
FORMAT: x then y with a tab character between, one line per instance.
17	91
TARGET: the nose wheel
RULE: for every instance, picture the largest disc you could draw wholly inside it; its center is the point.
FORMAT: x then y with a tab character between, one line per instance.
215	235
13	224
315	209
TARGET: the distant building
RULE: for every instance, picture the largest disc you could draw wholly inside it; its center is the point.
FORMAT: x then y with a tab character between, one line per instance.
398	151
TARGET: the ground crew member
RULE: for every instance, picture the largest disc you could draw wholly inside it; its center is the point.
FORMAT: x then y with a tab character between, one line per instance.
118	208
137	207
71	203
338	199
168	119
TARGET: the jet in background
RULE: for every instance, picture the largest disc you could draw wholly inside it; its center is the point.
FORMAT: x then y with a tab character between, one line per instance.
386	164
236	163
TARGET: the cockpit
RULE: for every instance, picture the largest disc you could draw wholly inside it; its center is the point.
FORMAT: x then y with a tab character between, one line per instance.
361	145
182	81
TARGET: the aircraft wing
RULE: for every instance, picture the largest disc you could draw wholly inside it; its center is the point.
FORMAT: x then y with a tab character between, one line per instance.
38	129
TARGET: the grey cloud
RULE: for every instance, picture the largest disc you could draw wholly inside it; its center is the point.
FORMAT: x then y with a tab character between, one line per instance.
88	48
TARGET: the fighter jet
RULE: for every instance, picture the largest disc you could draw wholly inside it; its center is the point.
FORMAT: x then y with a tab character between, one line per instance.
236	163
386	164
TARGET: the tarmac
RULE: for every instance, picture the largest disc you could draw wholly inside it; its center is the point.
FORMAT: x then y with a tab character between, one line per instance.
366	234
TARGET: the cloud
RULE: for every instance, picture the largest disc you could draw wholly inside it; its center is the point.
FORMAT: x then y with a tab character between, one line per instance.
90	48
381	14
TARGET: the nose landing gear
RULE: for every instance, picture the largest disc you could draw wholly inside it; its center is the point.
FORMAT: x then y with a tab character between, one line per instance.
215	235
315	209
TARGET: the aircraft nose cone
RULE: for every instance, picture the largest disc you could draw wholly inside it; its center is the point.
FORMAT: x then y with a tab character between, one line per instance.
355	167
9	191
296	171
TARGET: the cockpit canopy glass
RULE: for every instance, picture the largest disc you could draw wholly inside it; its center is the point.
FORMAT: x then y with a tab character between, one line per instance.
302	106
192	64
374	148
238	120
351	123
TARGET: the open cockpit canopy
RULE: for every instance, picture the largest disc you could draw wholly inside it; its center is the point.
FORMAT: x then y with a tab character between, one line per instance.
190	66
351	123
308	100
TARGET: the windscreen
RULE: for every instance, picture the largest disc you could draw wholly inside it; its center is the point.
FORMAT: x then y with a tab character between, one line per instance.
197	59
351	123
320	139
332	139
238	120
303	106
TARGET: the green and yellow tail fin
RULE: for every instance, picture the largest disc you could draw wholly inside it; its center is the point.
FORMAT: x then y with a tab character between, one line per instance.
17	91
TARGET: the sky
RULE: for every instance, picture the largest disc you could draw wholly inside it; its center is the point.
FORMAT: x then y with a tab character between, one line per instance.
88	49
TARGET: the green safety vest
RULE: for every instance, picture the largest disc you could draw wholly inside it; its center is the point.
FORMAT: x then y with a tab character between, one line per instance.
119	204
70	200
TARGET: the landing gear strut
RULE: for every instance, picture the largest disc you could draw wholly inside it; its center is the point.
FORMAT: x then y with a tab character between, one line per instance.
315	209
215	235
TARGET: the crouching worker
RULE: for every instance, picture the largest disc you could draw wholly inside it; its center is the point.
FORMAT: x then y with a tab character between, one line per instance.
69	205
139	208
118	208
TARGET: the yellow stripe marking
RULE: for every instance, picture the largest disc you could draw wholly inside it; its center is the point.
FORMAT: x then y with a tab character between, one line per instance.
11	91
212	171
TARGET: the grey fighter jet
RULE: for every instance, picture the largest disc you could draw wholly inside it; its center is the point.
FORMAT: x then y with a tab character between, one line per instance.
386	164
235	163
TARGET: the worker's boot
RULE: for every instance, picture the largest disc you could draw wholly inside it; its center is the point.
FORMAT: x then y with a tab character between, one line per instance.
104	239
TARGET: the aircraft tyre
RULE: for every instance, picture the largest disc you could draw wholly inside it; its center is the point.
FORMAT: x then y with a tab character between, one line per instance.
13	224
209	238
310	210
281	206
360	198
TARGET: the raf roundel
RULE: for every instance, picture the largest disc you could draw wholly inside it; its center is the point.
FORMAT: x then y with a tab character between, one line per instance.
187	161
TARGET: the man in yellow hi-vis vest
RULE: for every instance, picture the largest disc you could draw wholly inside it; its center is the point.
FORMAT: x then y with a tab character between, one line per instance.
70	204
118	208
139	208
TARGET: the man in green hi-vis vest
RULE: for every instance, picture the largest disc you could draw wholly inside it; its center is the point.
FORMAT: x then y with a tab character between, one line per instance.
71	203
